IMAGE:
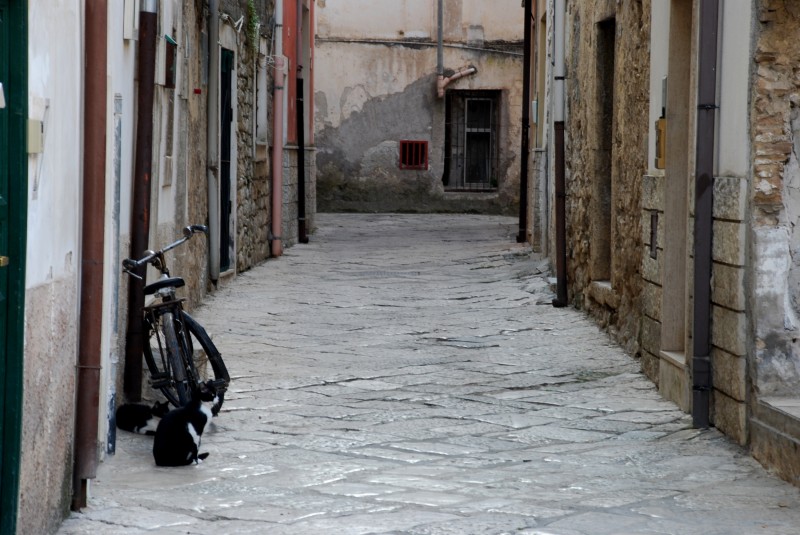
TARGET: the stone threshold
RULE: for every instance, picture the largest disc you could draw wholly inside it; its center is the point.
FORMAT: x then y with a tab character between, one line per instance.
602	292
775	435
781	414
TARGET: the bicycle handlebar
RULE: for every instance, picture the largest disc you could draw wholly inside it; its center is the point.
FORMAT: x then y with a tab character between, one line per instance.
129	264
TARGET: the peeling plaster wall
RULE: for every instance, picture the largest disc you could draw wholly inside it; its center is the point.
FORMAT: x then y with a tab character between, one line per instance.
775	119
370	95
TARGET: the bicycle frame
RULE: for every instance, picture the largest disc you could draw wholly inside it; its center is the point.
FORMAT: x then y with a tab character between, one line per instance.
164	321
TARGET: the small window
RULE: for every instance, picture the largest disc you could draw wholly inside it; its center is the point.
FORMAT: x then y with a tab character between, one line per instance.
413	154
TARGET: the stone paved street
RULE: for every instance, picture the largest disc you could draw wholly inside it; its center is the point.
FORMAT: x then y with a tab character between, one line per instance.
407	374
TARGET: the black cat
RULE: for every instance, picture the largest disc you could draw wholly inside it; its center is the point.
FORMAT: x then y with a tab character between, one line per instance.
138	418
178	435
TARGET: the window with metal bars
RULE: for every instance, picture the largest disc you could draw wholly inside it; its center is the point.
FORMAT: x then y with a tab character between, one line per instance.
413	154
471	140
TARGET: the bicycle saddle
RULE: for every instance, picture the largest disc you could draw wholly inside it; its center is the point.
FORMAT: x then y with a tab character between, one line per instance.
174	282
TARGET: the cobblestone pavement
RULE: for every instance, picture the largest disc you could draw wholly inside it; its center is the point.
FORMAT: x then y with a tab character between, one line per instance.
407	374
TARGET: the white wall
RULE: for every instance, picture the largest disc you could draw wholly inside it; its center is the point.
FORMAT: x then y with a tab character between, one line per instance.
53	262
54	176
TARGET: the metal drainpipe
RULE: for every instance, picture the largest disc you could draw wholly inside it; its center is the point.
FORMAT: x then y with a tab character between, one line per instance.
561	299
213	141
279	79
522	237
92	250
704	201
440	45
140	217
301	142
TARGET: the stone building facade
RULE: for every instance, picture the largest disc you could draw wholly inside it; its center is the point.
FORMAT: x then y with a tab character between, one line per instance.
633	153
607	88
84	69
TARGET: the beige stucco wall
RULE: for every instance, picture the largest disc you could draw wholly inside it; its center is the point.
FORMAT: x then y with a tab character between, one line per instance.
465	20
375	84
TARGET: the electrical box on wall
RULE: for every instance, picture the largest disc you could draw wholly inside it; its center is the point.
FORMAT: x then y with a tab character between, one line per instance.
35	136
661	129
130	20
661	143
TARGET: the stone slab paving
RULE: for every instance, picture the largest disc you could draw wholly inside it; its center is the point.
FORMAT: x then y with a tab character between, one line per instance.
407	374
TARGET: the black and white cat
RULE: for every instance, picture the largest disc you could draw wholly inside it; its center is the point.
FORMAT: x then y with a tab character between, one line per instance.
178	435
138	418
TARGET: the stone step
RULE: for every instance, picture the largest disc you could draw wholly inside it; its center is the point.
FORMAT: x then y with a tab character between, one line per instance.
775	435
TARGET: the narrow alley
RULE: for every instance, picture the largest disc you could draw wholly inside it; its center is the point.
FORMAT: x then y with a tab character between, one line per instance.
407	374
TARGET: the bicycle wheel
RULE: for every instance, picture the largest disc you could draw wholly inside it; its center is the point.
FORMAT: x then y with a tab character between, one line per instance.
203	354
163	355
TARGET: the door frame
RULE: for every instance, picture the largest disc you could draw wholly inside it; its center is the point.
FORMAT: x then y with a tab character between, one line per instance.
16	93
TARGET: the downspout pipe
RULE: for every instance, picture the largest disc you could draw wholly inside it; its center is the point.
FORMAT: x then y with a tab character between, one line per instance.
140	217
559	71
302	235
440	46
92	251
279	79
704	201
441	80
213	142
522	236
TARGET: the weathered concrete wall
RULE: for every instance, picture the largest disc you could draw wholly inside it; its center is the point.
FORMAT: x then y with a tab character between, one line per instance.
605	226
376	85
51	340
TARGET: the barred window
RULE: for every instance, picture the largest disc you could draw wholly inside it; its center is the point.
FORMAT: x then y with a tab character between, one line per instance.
413	154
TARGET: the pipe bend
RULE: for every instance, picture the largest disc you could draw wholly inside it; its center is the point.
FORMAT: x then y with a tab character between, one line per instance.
443	81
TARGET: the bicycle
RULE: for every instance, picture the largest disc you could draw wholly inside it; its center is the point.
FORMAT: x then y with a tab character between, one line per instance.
172	335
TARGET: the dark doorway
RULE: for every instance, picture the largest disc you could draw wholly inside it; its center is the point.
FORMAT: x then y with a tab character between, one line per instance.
603	190
226	127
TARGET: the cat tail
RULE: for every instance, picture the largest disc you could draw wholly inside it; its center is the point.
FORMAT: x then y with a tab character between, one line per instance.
202	456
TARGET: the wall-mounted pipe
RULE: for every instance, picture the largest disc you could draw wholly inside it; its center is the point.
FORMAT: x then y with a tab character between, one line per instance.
559	71
704	201
439	41
279	79
140	217
87	406
443	81
212	121
522	236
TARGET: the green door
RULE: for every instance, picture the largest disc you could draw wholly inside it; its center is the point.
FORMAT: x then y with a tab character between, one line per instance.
13	191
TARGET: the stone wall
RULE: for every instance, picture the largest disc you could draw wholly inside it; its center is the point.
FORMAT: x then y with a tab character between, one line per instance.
774	298
776	199
253	178
604	236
